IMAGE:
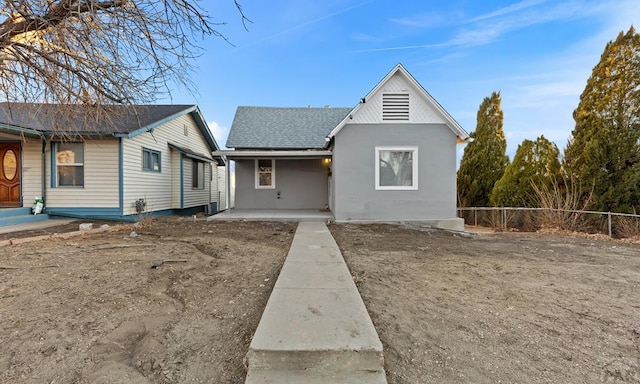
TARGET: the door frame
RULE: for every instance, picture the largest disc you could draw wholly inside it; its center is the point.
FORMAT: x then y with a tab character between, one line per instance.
17	147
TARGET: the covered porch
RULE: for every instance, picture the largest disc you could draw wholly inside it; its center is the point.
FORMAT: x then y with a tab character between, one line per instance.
295	215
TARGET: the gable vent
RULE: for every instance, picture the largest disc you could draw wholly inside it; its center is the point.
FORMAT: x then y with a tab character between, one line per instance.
395	106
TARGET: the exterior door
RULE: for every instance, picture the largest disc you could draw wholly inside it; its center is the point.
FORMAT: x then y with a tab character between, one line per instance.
9	174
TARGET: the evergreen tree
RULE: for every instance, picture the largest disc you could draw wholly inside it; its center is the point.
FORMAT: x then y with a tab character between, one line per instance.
603	153
484	159
535	163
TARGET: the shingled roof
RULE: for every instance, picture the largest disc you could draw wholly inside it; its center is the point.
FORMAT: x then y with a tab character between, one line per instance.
112	120
283	128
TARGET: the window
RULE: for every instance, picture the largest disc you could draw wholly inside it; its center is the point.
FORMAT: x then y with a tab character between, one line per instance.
396	168
395	106
265	173
69	164
150	160
197	178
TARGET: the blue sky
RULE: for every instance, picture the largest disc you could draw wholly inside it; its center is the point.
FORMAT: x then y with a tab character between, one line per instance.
538	54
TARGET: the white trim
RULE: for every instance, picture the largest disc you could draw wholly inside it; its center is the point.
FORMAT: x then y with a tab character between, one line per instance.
273	175
461	134
273	153
414	169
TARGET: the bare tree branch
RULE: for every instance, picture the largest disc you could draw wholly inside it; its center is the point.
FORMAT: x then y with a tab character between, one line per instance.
100	52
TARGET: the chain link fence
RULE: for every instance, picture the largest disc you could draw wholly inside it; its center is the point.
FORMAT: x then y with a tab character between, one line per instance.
619	225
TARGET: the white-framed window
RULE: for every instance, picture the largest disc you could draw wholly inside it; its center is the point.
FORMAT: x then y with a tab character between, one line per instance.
197	178
396	168
69	164
151	160
265	173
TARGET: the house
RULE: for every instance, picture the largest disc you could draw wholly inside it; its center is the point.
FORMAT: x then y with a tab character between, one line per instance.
126	162
391	158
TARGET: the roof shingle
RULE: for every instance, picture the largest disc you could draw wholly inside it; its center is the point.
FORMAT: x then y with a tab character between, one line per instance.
283	128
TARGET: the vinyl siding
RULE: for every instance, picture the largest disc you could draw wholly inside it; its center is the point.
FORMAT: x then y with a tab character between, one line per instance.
161	190
31	171
100	178
222	190
193	196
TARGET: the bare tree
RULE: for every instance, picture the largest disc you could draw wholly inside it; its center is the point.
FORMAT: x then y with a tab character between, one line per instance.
99	52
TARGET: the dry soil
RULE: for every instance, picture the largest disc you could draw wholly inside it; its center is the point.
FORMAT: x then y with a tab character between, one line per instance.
178	301
499	308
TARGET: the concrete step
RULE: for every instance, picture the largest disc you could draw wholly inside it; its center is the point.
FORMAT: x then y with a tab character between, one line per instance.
314	377
315	320
20	216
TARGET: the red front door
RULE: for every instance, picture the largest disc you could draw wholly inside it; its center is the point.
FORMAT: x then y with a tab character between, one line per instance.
9	174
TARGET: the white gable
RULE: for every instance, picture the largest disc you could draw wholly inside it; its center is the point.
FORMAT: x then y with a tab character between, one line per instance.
420	111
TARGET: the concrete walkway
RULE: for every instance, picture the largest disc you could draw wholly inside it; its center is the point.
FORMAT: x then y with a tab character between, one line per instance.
315	327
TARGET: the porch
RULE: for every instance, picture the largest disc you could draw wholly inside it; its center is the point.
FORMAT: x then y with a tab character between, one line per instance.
273	215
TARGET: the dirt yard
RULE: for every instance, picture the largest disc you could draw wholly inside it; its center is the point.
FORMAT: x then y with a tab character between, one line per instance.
499	308
178	301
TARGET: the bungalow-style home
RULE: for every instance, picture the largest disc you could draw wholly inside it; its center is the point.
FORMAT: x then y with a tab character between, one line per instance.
127	162
391	158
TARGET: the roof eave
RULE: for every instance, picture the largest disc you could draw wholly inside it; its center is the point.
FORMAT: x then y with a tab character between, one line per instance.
21	130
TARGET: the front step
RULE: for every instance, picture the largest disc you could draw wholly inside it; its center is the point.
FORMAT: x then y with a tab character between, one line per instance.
314	377
315	327
13	216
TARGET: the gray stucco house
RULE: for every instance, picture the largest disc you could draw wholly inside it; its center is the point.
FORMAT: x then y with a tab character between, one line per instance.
391	158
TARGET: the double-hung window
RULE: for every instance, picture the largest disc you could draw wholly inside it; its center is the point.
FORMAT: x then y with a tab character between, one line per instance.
265	174
69	164
150	160
197	178
396	168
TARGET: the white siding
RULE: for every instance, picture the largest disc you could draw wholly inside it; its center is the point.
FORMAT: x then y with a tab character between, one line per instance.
194	196
100	179
162	190
31	170
175	181
222	190
419	110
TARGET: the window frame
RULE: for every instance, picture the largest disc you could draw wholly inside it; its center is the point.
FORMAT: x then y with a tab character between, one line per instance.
272	172
414	168
151	152
56	164
197	177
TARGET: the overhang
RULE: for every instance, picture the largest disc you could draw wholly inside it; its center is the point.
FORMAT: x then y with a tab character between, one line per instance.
191	154
270	154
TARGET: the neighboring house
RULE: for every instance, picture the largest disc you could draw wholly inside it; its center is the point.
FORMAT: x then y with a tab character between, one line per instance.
391	158
130	161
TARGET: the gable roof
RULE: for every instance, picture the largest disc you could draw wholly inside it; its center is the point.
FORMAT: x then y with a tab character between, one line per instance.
110	121
283	128
399	68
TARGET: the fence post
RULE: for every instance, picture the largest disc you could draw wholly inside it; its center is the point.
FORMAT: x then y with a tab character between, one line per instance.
609	216
475	214
504	219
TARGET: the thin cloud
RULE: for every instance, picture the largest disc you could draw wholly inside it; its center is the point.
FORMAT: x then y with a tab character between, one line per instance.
311	22
424	20
508	10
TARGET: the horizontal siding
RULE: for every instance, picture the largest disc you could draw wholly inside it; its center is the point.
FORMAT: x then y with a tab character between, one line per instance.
222	190
31	171
100	178
161	190
194	197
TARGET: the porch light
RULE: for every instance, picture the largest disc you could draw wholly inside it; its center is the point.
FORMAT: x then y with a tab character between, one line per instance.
326	161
